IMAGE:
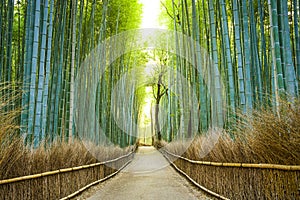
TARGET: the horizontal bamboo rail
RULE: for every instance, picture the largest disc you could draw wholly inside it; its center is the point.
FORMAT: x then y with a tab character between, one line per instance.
246	165
63	183
34	176
94	183
239	180
194	182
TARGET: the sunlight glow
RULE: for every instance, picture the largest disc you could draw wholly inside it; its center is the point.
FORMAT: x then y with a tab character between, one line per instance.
145	132
150	68
146	117
151	11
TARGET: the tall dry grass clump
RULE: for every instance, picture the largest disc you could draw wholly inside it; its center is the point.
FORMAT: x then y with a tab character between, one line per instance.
9	111
262	137
18	160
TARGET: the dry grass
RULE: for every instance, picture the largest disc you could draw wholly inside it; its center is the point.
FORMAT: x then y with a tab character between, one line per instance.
262	137
9	114
18	160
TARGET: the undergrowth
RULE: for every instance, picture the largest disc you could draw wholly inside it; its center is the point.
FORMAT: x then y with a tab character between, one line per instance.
18	160
260	137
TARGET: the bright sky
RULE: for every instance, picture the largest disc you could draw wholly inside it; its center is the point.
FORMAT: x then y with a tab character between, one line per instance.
145	118
145	121
151	10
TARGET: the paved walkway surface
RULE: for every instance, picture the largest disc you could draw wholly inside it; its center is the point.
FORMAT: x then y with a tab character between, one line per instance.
149	176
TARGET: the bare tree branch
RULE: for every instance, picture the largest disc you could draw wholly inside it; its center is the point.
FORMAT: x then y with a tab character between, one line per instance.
172	17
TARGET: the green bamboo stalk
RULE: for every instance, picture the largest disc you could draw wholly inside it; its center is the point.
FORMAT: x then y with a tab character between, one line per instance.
65	91
57	70
275	63
241	85
297	41
54	73
26	70
47	72
264	63
217	84
86	33
203	92
280	20
255	59
19	46
34	68
289	65
247	61
228	57
178	63
40	86
74	13
191	70
1	38
10	18
276	45
184	72
102	85
58	91
78	52
207	38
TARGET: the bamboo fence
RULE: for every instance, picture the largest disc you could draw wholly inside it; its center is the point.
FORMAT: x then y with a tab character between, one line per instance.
240	180
62	183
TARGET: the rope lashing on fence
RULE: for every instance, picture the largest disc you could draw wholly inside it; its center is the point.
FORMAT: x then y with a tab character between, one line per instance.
34	176
245	165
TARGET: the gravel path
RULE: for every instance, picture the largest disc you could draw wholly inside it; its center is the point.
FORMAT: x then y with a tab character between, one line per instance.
149	176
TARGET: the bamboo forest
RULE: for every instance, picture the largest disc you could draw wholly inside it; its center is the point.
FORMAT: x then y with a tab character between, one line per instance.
183	99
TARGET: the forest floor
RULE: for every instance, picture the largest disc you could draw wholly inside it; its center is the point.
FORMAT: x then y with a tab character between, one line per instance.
148	176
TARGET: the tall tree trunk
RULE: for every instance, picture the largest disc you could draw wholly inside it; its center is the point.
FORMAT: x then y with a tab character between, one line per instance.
1	38
256	75
264	64
247	61
203	92
228	58
74	12
40	86
47	72
27	70
276	46
242	97
10	18
157	101
34	68
217	84
291	86
297	41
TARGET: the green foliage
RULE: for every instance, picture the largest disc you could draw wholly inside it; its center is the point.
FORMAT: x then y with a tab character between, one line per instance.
247	43
254	45
38	53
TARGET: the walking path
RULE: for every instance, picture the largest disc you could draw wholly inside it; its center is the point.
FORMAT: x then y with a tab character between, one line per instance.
149	176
